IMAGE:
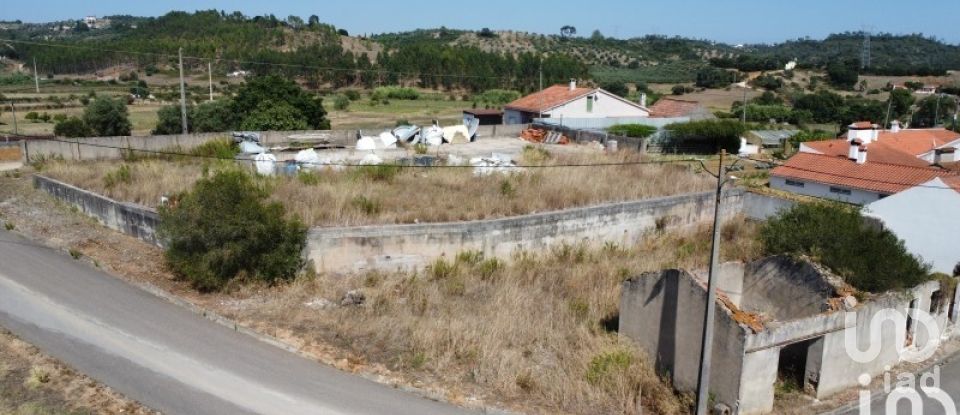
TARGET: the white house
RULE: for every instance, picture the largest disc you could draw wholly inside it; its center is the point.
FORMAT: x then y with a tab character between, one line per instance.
570	101
924	217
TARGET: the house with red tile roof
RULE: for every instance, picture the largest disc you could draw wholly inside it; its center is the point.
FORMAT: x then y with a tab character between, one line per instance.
669	107
571	101
869	164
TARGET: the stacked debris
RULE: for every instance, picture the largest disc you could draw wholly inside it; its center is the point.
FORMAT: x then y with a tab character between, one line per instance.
496	163
537	135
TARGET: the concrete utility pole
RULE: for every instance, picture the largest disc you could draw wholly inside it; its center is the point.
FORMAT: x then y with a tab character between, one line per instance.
36	77
706	344
210	78
183	95
541	87
13	111
744	108
936	114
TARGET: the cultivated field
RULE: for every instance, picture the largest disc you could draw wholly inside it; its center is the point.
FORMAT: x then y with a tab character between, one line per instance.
388	194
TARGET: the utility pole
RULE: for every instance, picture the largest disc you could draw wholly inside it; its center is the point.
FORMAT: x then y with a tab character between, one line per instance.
886	120
541	87
936	114
210	78
36	77
744	111
706	343
13	110
183	95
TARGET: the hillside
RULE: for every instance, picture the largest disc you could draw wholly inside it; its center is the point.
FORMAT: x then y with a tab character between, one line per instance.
321	55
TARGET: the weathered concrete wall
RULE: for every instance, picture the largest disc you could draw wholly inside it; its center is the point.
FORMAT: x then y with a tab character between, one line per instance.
663	313
408	246
134	220
760	207
784	288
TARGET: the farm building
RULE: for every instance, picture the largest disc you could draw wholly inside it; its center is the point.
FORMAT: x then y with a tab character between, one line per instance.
571	101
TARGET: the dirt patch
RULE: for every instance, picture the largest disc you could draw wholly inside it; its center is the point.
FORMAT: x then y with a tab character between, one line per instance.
11	153
32	383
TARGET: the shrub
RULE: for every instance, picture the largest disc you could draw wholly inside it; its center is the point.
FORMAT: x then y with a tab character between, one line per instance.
392	92
224	229
708	134
678	90
107	117
632	130
72	127
118	176
608	364
497	97
379	173
341	102
352	94
835	235
223	148
272	116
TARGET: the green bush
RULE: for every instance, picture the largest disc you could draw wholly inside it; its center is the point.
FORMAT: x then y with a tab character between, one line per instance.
393	92
497	97
224	229
708	134
223	148
72	127
869	259
341	102
120	175
107	117
632	130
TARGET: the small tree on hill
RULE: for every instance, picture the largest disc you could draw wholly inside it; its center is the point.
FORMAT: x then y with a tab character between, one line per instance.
224	229
72	127
107	117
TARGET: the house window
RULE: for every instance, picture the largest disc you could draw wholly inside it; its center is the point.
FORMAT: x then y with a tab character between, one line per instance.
840	191
794	183
590	104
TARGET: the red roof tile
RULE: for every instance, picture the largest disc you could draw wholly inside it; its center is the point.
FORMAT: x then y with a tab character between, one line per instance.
548	98
879	151
953	182
872	175
672	108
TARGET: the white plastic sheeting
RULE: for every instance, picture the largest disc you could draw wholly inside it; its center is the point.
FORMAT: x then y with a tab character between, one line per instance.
432	135
250	147
457	134
266	164
496	163
388	140
366	143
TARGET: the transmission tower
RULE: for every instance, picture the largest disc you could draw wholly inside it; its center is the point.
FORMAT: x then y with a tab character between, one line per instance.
865	52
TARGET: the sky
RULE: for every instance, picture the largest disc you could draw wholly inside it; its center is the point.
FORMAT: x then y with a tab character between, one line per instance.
729	21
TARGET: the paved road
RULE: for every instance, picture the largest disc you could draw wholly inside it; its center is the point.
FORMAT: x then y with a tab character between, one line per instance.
949	375
167	357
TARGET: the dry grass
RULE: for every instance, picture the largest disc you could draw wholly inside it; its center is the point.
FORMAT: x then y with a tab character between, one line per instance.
384	195
535	332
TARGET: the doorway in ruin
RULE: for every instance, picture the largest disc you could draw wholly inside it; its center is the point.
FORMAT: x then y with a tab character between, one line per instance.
798	369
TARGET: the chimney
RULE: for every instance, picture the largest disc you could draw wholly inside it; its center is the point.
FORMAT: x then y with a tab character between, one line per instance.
854	153
643	99
862	155
938	155
895	126
573	84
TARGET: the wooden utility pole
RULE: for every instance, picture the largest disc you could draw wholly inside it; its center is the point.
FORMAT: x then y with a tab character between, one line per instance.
13	110
183	95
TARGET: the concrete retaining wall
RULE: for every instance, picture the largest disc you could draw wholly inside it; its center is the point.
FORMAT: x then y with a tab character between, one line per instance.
407	246
131	219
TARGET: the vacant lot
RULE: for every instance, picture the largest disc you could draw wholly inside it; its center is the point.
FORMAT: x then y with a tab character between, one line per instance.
388	194
534	333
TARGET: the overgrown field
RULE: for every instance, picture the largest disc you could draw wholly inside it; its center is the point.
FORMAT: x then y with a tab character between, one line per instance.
389	194
537	331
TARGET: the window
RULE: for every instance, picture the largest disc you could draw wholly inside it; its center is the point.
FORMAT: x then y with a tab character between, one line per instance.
794	183
882	196
840	191
590	104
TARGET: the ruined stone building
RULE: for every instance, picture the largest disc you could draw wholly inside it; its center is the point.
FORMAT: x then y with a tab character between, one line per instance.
778	319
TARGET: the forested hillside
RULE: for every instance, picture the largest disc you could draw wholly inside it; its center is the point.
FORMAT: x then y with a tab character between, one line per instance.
320	54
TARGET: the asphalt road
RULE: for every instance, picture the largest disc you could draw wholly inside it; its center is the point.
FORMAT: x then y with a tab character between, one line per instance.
167	357
949	382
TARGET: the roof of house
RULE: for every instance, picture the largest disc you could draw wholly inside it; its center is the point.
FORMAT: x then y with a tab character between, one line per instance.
773	137
917	141
952	181
878	151
667	107
872	175
550	97
480	112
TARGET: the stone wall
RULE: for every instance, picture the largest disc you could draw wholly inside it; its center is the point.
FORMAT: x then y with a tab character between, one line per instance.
131	219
